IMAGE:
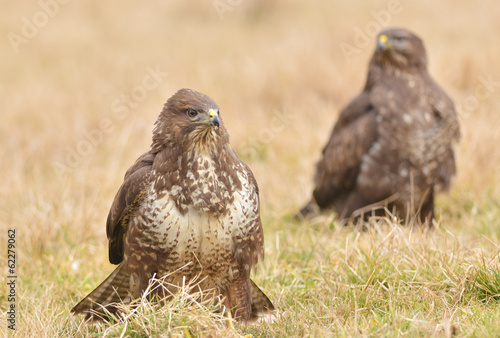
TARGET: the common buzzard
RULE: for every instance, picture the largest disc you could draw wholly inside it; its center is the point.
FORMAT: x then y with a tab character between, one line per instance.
392	144
188	208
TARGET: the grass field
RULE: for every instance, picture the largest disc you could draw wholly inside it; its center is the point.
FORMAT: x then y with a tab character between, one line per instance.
82	83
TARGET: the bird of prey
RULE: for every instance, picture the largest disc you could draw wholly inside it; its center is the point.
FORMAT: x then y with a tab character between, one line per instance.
187	209
392	145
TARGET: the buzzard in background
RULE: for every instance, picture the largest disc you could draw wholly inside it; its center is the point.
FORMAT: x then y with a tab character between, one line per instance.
188	208
392	144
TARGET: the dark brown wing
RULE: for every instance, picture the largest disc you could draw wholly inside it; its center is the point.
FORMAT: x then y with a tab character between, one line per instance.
445	112
358	107
127	200
248	292
443	106
255	238
353	135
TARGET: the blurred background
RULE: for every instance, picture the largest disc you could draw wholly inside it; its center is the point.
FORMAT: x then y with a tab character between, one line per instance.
82	83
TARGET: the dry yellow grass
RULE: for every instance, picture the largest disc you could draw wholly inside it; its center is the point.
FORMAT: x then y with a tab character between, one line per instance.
279	74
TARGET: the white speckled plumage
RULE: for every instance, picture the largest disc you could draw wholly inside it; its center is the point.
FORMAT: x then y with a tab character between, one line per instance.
188	209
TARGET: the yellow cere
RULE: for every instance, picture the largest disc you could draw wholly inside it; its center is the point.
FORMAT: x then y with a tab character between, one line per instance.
383	38
212	113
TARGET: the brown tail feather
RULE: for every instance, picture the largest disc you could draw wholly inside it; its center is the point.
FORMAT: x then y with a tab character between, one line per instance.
261	305
310	209
114	289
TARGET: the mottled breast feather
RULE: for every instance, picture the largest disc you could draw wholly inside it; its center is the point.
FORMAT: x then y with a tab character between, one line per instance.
187	209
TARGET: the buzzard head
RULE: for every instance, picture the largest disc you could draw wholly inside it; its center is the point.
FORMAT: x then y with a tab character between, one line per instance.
401	49
189	120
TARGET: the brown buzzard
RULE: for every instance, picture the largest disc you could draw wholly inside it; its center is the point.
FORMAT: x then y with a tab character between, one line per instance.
392	144
188	208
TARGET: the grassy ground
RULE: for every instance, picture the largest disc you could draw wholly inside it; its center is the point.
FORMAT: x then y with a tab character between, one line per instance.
83	82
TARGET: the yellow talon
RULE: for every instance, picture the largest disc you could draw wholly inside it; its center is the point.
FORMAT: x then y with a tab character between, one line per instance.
230	323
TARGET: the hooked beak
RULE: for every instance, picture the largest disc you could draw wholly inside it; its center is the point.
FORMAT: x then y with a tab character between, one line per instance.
383	43
213	118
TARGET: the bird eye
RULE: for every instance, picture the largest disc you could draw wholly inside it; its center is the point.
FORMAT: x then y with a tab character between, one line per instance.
399	38
191	113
